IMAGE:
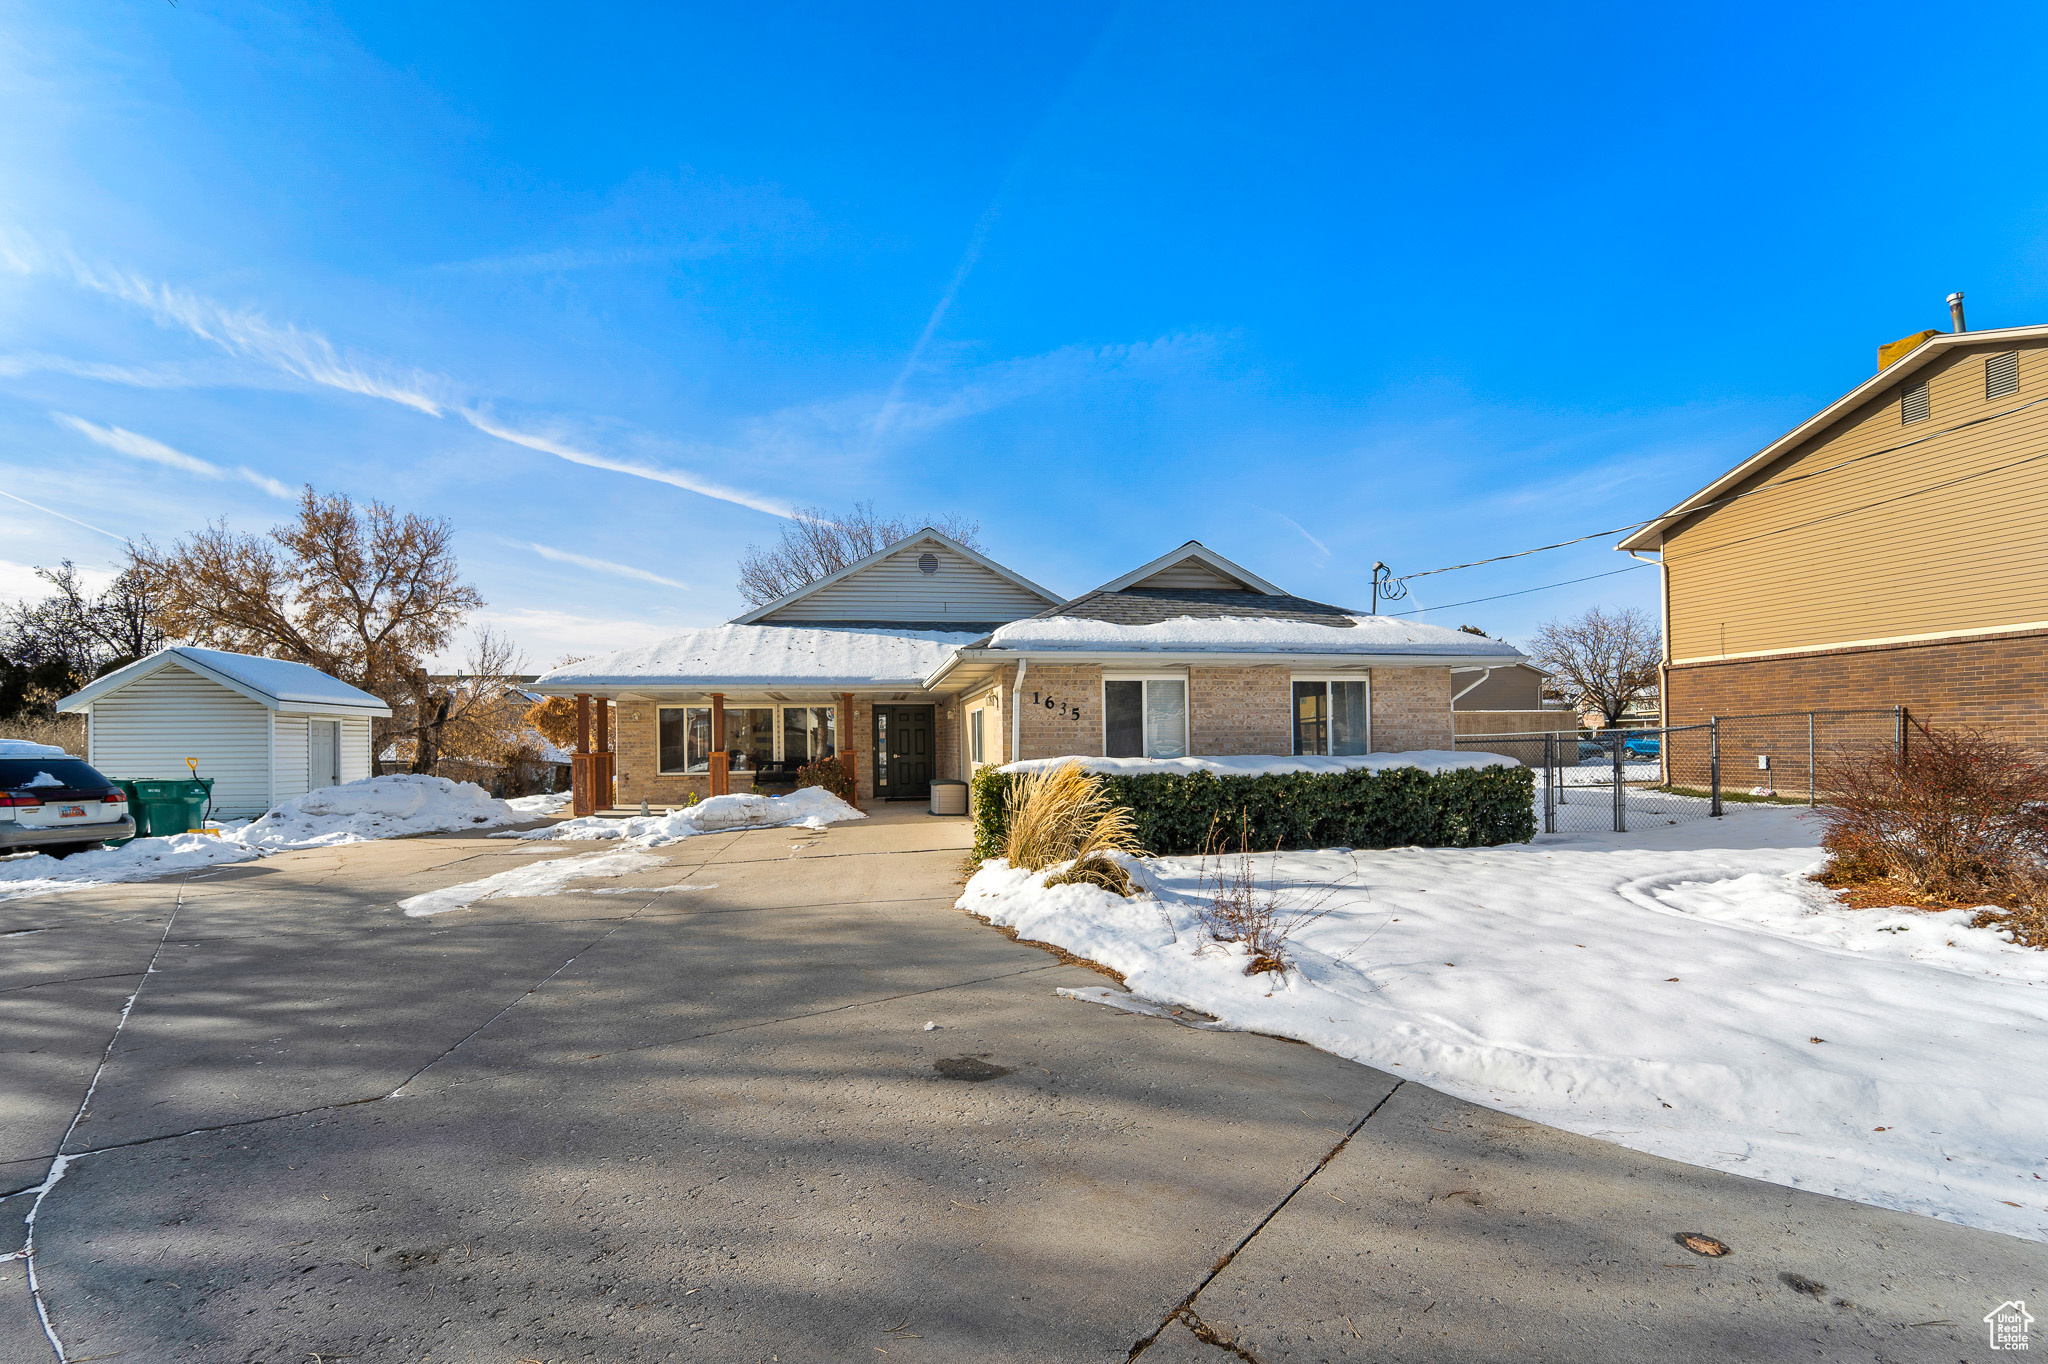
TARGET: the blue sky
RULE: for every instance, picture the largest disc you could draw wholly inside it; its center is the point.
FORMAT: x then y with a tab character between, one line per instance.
1316	285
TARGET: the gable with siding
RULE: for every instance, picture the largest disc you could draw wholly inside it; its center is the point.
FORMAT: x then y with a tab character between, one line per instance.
958	593
1947	535
149	727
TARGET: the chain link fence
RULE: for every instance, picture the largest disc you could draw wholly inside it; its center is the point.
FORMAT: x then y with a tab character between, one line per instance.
1618	780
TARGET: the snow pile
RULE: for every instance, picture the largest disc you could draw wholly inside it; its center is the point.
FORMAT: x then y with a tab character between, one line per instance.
355	812
1253	635
140	860
534	878
1429	760
539	807
43	779
1684	991
810	807
381	807
24	748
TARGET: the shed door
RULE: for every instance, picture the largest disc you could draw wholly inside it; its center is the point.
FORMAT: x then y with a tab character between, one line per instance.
323	754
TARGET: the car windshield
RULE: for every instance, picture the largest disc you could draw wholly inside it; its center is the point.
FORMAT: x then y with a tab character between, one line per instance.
70	773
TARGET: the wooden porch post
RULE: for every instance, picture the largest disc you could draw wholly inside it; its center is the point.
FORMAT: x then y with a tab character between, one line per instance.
721	761
603	791
848	750
582	787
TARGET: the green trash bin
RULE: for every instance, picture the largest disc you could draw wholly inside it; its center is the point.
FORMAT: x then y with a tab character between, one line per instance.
163	807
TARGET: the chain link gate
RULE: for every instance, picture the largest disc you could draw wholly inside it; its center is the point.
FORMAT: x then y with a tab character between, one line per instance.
1616	779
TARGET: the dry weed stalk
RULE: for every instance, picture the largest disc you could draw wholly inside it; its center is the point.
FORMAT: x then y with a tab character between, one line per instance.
1261	914
1062	814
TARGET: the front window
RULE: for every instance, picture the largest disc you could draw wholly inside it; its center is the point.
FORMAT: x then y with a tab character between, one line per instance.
808	733
1146	718
974	736
1332	718
750	737
684	738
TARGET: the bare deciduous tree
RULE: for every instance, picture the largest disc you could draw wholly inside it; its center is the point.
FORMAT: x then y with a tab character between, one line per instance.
816	544
1604	660
364	594
90	633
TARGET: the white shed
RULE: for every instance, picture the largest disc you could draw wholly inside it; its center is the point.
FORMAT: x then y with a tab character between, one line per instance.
265	730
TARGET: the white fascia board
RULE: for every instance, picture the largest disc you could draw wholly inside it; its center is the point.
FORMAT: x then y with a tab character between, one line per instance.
1132	658
618	687
1193	549
761	612
1651	536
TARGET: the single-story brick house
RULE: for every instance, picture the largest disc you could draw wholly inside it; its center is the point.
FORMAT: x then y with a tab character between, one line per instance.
929	659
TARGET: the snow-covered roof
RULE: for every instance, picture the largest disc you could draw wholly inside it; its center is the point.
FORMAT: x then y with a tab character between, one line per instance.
778	656
1384	636
272	683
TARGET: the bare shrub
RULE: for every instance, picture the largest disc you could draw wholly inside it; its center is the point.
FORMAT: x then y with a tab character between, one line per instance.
62	731
1062	814
829	773
1958	816
1096	870
1242	906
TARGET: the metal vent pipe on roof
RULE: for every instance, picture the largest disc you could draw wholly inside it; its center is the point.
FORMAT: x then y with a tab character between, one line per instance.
1955	310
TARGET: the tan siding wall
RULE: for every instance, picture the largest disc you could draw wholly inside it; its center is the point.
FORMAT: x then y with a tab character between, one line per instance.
1237	711
1971	556
1190	573
1411	709
1514	721
894	589
149	728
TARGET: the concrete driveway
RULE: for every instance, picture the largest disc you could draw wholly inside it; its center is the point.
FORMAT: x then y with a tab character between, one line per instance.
705	1120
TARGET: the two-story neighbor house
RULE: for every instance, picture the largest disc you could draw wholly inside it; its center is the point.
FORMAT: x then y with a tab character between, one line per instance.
1890	550
929	659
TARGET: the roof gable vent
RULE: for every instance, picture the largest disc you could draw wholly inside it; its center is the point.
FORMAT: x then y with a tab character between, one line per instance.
2002	375
1913	403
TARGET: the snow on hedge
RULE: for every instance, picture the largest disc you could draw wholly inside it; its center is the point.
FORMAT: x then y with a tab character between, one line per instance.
1428	760
811	807
1685	991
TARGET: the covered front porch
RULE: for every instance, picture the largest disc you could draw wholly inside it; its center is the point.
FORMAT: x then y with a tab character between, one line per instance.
669	745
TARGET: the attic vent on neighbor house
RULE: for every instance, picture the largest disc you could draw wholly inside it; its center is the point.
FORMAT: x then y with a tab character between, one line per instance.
2002	375
928	564
1913	402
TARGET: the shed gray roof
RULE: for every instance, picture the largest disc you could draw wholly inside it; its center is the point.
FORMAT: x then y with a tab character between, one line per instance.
272	683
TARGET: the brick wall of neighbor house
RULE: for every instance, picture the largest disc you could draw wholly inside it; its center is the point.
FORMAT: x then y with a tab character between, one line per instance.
1049	731
1998	683
1411	709
1234	711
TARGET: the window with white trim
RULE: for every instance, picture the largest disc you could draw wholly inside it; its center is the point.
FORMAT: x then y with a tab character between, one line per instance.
1332	717
1145	717
976	744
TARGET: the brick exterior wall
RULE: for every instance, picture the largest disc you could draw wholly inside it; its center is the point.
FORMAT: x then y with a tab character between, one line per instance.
639	759
1411	709
1998	683
1237	711
1072	724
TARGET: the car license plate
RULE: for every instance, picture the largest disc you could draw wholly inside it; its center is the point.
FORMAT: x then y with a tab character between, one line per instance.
71	812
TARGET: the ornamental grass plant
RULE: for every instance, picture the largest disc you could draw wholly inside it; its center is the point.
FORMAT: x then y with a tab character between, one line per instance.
1061	814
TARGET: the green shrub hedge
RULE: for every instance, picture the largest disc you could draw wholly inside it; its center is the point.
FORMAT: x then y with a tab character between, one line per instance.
1397	808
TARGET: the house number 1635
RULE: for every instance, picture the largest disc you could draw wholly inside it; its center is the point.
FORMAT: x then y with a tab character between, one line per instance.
1060	708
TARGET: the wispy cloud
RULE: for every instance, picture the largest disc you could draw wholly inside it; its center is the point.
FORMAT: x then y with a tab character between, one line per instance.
675	478
134	376
563	556
126	442
245	332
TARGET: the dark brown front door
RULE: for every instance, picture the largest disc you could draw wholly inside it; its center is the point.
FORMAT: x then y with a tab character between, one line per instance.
903	752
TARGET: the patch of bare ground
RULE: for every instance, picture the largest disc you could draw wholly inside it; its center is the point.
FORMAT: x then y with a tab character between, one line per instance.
2026	926
1065	957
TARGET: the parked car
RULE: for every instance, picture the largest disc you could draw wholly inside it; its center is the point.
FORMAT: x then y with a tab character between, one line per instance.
1643	746
1634	748
59	806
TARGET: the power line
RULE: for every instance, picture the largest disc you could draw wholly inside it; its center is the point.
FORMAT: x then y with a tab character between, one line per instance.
1732	497
1523	593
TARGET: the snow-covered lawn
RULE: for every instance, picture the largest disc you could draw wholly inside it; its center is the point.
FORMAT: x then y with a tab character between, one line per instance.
1683	990
354	812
